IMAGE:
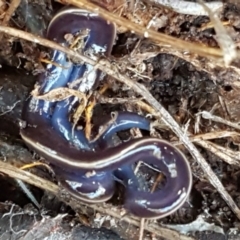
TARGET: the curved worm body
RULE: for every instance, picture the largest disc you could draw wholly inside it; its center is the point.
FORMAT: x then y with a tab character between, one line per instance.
88	169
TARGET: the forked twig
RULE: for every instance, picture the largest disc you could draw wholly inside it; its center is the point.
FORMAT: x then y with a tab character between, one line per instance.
210	116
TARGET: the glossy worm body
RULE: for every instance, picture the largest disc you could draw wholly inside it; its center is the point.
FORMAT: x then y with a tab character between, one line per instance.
88	170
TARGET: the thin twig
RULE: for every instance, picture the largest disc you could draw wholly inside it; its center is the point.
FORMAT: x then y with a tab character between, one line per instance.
11	108
12	7
141	229
224	40
210	116
225	154
209	136
28	177
187	7
28	193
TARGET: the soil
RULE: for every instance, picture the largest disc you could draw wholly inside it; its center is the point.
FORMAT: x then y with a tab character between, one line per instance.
185	86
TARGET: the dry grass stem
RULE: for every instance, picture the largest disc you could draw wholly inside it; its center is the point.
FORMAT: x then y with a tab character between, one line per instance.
224	40
187	7
141	229
225	154
210	116
28	177
209	136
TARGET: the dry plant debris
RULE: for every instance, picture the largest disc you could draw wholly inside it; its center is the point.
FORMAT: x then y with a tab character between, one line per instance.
214	138
224	40
187	7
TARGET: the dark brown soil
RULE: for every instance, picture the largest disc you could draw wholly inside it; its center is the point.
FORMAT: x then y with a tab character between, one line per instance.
183	87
